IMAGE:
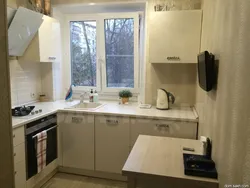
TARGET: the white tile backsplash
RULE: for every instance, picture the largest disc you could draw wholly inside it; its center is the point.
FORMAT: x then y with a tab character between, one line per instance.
25	80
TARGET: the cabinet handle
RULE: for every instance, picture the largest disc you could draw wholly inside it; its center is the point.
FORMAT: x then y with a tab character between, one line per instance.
77	120
14	135
112	122
162	126
173	58
14	154
15	172
52	58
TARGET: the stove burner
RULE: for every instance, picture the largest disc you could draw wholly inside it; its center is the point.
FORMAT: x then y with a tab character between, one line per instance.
22	111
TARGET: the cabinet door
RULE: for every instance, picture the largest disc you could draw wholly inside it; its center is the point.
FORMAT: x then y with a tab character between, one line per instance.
20	175
49	40
177	129
174	36
77	135
19	153
18	136
111	143
45	39
56	41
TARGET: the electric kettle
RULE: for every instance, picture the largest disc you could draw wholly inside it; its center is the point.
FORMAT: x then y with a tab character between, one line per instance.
163	99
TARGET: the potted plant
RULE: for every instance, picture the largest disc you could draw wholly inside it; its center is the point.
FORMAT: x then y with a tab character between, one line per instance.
124	95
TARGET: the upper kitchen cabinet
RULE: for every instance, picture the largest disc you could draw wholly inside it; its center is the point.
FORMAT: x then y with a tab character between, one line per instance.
45	47
174	36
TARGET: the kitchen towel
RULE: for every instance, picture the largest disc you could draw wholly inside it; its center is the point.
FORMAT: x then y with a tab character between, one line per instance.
41	150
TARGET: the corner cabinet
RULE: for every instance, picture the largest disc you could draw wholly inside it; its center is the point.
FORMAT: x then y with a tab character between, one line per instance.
77	140
174	36
111	143
46	45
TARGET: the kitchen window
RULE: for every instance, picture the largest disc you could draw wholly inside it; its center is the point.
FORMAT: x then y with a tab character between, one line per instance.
104	52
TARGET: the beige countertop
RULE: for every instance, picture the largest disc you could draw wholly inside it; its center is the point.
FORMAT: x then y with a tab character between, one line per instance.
154	156
109	108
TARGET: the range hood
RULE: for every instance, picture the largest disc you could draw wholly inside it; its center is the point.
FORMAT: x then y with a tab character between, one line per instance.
10	14
22	29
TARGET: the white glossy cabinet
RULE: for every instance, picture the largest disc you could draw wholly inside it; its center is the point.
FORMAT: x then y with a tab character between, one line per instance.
111	143
46	46
49	40
177	129
174	36
19	157
77	140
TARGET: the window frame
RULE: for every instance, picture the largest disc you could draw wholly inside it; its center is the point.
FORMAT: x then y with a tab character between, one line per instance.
72	18
135	16
101	82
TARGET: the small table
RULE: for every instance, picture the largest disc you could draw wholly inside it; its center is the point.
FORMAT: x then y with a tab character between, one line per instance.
159	161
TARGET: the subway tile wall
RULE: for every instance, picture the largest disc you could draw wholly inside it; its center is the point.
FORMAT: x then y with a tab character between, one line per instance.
25	81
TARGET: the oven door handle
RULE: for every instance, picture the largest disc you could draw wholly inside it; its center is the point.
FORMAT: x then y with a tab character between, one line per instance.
46	131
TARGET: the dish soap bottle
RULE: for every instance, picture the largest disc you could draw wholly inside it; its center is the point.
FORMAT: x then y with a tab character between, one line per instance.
96	97
91	96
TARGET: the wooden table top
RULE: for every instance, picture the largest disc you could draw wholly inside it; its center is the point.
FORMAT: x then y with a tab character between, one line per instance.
161	156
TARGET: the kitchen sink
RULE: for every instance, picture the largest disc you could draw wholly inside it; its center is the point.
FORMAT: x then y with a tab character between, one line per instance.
87	106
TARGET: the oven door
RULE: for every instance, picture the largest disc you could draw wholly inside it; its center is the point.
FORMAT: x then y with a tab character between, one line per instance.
51	152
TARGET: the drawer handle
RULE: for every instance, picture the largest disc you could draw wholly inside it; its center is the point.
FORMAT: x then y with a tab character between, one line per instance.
112	122
14	135
77	120
162	126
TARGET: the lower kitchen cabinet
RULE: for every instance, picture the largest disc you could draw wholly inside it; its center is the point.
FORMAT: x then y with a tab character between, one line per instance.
166	128
111	143
20	175
77	137
19	157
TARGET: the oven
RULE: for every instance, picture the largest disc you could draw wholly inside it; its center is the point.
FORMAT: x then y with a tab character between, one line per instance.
49	124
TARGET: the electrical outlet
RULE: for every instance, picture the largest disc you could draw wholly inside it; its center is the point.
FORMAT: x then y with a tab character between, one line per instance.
32	95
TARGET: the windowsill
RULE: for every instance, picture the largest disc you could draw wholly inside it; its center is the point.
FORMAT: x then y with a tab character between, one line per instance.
106	96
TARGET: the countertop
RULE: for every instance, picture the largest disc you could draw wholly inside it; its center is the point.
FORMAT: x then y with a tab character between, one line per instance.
108	108
163	157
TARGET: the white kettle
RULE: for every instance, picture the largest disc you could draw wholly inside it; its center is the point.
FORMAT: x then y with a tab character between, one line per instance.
163	99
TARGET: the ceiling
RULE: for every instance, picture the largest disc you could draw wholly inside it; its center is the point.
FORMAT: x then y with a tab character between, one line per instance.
100	8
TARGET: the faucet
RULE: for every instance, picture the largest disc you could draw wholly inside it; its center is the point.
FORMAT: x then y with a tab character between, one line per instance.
82	97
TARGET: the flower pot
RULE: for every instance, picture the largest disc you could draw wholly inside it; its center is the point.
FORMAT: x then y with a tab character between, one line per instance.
125	100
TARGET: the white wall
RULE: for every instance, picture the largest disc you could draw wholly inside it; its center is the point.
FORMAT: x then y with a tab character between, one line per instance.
25	79
224	113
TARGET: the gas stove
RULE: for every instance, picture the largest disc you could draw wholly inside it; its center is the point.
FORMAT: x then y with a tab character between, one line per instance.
24	111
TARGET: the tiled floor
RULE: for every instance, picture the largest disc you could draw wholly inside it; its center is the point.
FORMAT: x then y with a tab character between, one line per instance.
62	180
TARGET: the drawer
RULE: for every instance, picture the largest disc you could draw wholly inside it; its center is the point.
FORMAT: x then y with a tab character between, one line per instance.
19	153
165	128
20	175
74	118
18	136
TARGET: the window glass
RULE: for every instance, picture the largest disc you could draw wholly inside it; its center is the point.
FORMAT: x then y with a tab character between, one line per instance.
83	53
119	45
